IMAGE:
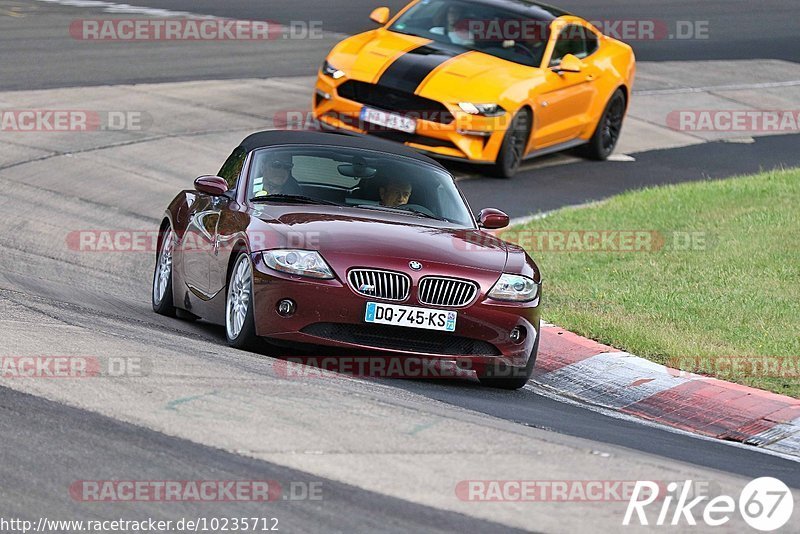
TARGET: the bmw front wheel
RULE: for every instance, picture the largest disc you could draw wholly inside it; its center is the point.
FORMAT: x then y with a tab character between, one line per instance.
240	327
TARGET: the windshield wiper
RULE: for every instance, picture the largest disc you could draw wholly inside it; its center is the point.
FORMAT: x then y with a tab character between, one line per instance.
300	199
410	211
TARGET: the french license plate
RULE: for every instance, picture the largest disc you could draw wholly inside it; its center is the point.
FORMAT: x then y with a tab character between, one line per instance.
393	314
389	120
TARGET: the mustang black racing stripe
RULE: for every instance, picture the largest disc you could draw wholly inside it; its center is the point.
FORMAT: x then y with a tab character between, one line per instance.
408	71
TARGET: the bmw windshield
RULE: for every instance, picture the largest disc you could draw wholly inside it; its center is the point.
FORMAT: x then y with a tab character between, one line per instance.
356	178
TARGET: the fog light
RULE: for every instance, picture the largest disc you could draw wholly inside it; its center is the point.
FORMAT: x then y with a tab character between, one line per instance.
518	335
286	308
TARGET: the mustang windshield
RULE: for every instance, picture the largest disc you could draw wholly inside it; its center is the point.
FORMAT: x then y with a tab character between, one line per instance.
475	26
356	178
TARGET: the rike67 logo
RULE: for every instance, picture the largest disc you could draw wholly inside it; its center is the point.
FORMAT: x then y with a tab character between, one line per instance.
765	504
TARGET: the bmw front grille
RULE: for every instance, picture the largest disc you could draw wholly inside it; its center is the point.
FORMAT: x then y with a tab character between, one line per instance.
439	291
386	285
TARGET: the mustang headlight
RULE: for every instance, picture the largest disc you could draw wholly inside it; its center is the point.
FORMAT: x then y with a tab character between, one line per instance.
299	262
514	287
330	70
487	110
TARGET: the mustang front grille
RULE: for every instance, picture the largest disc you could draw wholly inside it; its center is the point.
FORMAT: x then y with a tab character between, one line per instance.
438	291
389	99
380	284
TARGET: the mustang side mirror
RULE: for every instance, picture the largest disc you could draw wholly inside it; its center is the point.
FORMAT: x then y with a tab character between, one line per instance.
380	15
492	219
211	185
569	63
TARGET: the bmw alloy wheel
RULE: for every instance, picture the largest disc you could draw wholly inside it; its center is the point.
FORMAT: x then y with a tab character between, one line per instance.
240	294
163	274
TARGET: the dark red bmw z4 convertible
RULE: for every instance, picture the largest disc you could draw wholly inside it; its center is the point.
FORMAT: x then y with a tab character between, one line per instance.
315	239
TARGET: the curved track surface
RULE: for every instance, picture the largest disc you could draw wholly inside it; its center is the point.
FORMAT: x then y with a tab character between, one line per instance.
42	54
735	29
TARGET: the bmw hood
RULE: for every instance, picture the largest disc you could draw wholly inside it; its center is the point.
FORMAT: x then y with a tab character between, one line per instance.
348	233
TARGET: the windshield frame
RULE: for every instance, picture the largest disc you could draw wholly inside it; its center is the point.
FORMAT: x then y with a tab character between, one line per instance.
251	176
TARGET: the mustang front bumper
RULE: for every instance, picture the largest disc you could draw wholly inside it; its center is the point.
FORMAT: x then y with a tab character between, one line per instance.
471	137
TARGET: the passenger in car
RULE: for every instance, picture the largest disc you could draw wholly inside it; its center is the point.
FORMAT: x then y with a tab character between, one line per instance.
456	28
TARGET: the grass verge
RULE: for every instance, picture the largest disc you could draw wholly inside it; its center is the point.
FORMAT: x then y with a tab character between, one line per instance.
701	276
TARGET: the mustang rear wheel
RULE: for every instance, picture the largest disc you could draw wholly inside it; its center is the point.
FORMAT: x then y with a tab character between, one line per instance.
503	376
605	137
162	277
239	323
512	151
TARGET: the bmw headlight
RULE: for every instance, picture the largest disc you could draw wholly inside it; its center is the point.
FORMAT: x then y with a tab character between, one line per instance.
299	262
487	110
330	70
514	287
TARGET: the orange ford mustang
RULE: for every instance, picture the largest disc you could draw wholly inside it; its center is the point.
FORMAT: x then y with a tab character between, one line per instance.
488	81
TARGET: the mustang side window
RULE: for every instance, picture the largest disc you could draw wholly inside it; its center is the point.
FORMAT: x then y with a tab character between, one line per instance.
575	40
591	42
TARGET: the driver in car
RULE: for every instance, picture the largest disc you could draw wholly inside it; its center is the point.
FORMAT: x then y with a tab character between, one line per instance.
394	193
276	172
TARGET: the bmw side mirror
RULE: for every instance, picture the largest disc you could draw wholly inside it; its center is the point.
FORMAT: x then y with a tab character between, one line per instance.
492	219
211	185
380	15
569	63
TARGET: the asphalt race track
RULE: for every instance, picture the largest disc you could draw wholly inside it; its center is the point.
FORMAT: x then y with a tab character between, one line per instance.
387	453
44	56
125	451
737	30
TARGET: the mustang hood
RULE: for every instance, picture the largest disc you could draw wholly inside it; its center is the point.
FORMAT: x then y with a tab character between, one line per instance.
409	64
388	235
